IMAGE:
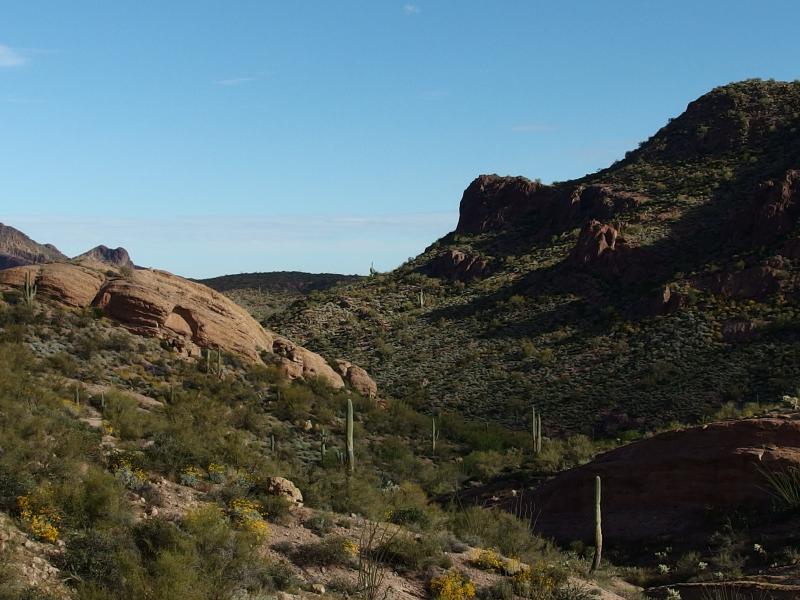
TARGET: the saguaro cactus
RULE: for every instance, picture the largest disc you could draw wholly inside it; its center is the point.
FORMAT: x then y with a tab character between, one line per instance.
536	430
29	289
323	448
435	433
598	526
351	458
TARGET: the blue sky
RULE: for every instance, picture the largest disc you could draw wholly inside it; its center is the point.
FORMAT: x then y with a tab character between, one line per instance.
224	137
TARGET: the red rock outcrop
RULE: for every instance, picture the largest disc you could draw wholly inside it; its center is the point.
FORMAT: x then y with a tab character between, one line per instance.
457	266
602	202
492	202
358	378
777	208
187	314
599	246
664	485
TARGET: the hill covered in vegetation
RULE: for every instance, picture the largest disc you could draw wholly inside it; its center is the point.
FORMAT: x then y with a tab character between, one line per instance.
658	289
264	294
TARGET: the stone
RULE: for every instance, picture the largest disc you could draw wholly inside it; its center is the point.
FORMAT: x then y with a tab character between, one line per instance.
280	486
318	588
358	378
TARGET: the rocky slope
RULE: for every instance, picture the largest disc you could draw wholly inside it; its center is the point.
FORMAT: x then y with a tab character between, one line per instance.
657	289
16	249
186	315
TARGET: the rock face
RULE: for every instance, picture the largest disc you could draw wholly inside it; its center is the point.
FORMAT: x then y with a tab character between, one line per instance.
777	208
491	202
602	202
599	246
664	486
188	315
18	249
358	378
116	257
457	266
494	203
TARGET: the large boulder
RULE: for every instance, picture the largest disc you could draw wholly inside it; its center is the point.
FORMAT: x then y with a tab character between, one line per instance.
189	315
280	486
358	378
664	486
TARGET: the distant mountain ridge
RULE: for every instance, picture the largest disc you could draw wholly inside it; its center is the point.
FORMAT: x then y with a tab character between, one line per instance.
17	249
277	281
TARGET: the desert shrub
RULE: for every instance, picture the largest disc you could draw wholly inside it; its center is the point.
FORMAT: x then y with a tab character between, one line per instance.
502	589
486	464
91	555
333	550
93	498
494	528
123	413
320	523
783	486
413	553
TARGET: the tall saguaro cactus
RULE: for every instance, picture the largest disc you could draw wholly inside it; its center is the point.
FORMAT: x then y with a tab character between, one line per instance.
29	289
598	527
351	458
435	433
536	430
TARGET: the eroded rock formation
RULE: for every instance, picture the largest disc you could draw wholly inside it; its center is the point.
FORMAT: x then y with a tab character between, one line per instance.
188	315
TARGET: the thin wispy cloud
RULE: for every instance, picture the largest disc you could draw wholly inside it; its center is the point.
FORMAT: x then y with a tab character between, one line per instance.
234	81
533	128
411	9
11	57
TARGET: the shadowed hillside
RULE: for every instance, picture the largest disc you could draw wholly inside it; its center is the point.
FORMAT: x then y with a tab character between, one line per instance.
660	288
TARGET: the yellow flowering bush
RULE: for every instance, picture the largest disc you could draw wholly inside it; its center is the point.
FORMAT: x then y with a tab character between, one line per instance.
247	514
41	520
216	472
538	581
487	560
351	547
131	477
191	476
453	585
108	429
